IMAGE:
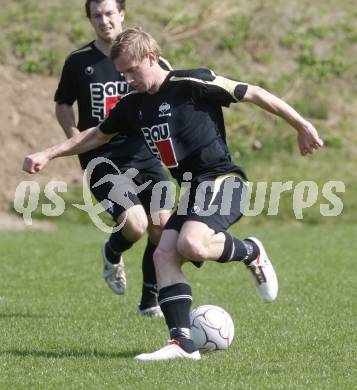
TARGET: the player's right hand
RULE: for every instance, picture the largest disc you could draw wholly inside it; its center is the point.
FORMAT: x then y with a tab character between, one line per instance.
35	162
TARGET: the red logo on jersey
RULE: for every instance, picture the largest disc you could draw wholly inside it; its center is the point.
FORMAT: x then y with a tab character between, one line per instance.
167	152
110	103
105	96
160	143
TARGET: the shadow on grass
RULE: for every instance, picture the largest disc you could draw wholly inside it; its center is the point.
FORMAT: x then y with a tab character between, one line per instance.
69	354
21	315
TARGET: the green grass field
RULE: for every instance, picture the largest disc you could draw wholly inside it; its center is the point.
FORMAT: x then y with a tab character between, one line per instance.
62	328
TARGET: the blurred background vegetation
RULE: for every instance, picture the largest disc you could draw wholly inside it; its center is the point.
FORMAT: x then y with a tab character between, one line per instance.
304	52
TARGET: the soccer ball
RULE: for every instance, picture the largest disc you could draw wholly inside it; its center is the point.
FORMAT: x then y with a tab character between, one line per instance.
212	328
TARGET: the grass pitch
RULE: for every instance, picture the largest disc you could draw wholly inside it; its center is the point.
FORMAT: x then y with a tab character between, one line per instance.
62	328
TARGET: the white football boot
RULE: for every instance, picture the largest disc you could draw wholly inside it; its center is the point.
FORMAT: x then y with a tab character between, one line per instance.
263	274
169	352
153	311
114	274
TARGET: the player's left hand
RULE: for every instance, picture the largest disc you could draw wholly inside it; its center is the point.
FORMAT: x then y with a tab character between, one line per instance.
308	139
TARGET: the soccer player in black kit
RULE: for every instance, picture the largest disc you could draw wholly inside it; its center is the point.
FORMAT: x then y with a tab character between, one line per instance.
179	113
90	78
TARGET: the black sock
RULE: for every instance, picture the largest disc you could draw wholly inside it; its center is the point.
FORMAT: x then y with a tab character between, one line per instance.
252	250
116	246
175	302
238	250
149	290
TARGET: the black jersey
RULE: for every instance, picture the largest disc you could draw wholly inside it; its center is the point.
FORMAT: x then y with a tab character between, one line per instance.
183	122
90	78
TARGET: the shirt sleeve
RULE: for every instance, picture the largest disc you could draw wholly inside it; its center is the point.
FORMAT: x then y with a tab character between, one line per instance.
118	120
66	92
217	89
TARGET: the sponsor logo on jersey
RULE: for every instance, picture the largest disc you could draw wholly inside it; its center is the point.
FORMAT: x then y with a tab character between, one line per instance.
104	97
159	141
164	110
89	70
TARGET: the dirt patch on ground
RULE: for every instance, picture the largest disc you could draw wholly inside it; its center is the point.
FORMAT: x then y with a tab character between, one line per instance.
28	124
12	222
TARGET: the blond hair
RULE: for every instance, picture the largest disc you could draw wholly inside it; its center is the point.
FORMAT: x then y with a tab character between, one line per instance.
134	42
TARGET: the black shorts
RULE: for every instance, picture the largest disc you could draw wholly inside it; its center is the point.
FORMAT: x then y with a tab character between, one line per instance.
123	194
217	202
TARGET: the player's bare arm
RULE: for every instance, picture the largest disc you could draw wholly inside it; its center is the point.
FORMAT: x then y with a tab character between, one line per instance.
308	138
67	119
79	143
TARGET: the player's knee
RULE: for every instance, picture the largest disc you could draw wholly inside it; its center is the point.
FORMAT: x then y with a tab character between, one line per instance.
191	248
134	230
135	222
137	231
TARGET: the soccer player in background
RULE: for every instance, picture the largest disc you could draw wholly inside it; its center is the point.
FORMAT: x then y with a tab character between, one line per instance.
179	113
90	78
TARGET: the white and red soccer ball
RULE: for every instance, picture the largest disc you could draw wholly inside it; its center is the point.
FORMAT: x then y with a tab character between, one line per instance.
212	328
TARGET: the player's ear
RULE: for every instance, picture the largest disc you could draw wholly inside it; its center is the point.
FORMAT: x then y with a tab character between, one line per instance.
152	58
122	15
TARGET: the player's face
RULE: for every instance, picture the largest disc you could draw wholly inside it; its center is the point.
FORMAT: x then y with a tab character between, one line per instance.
137	73
106	19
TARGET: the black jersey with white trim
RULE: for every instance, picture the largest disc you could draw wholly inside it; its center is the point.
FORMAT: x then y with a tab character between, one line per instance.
183	122
90	78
